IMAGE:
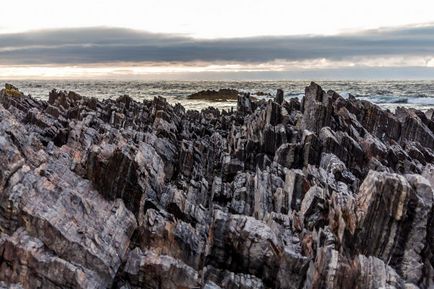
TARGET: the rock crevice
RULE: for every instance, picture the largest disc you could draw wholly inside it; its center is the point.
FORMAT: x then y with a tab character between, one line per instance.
328	192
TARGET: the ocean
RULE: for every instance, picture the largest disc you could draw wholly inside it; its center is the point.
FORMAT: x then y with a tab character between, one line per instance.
387	94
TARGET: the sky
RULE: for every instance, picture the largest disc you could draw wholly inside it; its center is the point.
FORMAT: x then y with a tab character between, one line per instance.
224	39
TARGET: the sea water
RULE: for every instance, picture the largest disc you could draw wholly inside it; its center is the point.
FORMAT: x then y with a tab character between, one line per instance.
387	94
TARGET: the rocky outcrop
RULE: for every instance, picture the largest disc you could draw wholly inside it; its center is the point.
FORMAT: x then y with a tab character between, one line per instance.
268	251
10	91
323	193
396	234
224	94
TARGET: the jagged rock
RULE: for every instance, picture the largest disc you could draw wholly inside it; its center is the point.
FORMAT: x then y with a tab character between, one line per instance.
279	96
64	100
414	128
165	235
26	261
10	91
397	233
178	203
313	207
227	279
294	188
332	270
245	103
317	108
383	124
273	113
328	193
150	270
243	244
311	148
71	219
127	172
430	114
289	155
11	160
231	166
274	137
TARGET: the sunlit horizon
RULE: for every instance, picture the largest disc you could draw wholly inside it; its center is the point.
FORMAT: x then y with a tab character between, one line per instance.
227	39
175	71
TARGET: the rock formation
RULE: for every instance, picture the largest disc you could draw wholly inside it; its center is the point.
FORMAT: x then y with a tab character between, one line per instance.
224	94
327	193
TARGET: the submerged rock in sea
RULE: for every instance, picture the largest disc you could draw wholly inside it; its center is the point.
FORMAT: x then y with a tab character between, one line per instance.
327	193
224	94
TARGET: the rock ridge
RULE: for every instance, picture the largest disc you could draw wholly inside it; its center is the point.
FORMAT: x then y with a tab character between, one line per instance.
327	192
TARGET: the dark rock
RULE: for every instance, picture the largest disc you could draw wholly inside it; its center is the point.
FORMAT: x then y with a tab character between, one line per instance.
327	193
224	94
289	155
25	260
259	252
397	233
150	270
162	233
413	128
279	96
245	103
430	114
332	270
317	108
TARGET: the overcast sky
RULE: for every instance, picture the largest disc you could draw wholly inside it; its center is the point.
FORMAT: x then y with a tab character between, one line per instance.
217	39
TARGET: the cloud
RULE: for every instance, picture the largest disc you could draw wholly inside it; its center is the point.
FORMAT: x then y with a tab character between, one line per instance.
83	46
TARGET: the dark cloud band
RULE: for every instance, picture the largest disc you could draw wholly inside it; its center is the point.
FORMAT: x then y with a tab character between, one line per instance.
102	45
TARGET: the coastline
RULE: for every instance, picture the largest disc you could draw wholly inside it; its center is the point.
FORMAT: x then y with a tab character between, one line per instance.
386	94
274	194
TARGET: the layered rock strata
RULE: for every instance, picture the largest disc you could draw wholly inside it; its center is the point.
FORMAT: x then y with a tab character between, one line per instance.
324	193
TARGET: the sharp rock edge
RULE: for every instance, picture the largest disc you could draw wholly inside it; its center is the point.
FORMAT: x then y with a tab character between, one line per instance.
323	193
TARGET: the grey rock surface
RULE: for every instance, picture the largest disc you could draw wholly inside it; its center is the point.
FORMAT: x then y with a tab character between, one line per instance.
324	193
